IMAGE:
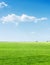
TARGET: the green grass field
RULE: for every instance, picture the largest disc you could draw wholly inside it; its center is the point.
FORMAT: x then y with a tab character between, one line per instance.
24	53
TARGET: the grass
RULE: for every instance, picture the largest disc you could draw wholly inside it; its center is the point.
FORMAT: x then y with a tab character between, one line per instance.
24	53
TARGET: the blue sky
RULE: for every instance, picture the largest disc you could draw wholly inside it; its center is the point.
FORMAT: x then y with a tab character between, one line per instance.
24	20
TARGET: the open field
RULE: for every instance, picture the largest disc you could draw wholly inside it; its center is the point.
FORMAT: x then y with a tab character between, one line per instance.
24	53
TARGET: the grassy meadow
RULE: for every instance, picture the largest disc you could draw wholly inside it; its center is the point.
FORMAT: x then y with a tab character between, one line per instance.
24	53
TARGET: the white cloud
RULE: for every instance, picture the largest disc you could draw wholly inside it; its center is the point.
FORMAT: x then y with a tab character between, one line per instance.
13	18
32	32
3	4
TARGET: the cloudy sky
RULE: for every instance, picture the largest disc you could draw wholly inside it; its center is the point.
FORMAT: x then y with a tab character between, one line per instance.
24	20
